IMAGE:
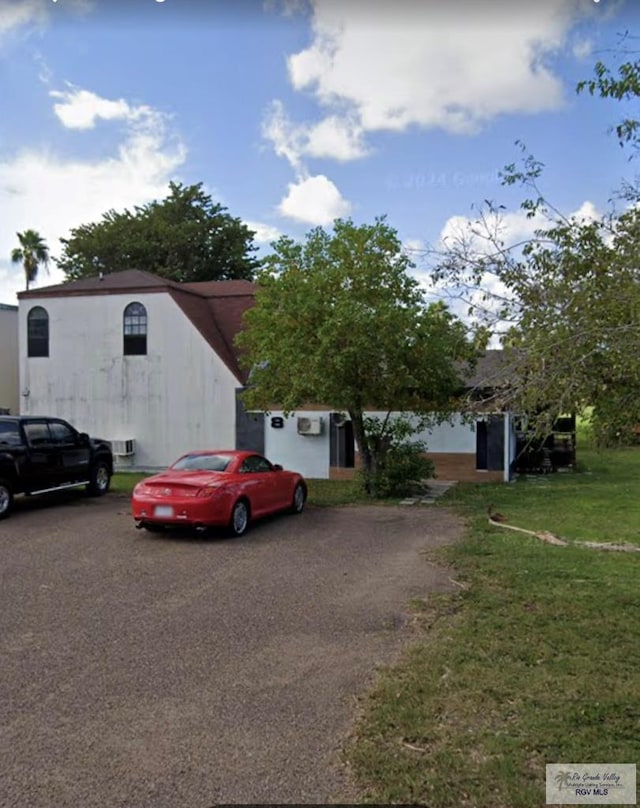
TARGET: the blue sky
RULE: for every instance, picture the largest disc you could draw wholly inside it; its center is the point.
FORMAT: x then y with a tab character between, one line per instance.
294	113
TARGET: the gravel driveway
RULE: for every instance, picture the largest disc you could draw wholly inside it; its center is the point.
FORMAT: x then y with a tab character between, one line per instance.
143	670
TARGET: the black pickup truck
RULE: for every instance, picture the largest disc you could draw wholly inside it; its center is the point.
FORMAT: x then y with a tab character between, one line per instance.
39	455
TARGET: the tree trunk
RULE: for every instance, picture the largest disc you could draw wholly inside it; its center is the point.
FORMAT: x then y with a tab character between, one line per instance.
366	456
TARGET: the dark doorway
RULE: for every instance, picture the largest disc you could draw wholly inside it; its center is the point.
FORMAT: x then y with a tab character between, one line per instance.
341	448
249	428
490	443
481	445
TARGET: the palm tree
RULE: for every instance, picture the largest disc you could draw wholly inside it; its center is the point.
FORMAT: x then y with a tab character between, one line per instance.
32	253
563	779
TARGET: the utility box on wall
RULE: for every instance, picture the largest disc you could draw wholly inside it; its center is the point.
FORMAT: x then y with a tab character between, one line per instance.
310	425
123	448
124	451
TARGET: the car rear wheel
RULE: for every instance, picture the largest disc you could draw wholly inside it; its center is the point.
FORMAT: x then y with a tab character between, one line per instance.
6	499
239	521
299	498
100	479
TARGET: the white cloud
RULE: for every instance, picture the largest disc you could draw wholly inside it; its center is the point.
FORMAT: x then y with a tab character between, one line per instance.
16	14
587	212
414	245
335	137
395	65
264	233
80	109
311	199
285	137
52	194
582	48
314	200
374	66
511	229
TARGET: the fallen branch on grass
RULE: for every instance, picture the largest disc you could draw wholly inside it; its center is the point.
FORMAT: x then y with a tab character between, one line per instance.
457	583
624	547
545	536
550	538
415	748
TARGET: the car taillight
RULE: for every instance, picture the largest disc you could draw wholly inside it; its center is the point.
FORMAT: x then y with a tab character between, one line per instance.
208	490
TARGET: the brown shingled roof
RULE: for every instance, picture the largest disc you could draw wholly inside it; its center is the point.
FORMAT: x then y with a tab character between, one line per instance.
218	315
492	370
130	280
214	307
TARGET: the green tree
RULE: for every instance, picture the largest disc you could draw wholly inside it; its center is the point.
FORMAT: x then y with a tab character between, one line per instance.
340	322
32	254
566	303
567	300
184	237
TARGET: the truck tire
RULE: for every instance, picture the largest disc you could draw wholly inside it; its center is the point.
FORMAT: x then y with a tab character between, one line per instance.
100	479
6	499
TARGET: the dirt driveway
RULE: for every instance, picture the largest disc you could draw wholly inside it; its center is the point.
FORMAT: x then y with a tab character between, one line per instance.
139	670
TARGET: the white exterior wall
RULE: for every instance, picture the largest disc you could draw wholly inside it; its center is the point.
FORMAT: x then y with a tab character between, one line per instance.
310	454
454	437
307	454
9	393
178	397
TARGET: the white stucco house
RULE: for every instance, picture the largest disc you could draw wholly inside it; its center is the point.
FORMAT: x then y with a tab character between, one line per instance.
9	398
143	362
151	366
321	443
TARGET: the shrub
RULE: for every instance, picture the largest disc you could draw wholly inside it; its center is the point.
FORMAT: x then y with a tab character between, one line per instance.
400	472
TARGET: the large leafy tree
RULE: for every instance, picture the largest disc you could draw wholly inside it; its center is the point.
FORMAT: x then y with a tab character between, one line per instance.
566	300
184	237
340	322
32	253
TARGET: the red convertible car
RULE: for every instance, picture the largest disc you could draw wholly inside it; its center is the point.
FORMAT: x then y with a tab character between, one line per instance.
218	488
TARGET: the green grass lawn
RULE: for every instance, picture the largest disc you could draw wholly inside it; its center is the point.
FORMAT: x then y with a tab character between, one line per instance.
123	482
535	661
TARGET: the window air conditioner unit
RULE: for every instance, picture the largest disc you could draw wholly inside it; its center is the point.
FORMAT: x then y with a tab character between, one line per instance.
123	448
309	426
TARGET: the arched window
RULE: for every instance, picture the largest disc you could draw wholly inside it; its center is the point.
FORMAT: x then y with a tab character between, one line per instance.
37	332
135	330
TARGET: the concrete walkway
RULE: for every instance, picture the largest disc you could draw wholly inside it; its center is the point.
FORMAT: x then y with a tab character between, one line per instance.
435	489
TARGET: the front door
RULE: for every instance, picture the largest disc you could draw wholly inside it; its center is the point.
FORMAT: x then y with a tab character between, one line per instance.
341	442
490	444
